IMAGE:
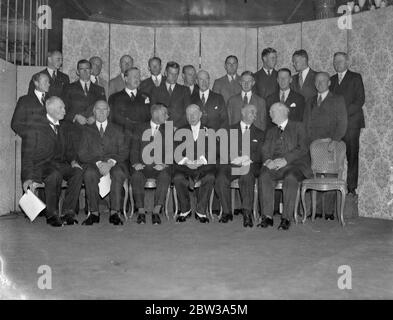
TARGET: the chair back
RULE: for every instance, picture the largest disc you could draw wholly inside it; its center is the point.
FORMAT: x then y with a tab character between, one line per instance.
324	161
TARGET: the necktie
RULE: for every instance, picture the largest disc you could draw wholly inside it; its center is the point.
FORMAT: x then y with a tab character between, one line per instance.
43	98
340	78
86	90
300	79
155	129
155	80
170	90
281	129
55	127
319	101
269	72
101	131
132	96
96	79
203	99
245	129
282	99
54	75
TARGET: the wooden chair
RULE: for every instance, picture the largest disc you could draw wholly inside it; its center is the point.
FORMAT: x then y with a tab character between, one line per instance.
325	163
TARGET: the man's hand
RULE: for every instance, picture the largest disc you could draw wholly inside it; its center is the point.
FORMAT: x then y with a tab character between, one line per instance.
29	184
80	119
138	166
237	161
75	164
192	165
269	164
91	120
159	167
280	163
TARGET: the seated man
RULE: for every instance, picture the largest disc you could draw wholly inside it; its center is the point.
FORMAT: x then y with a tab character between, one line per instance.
103	151
285	157
48	157
246	164
193	166
157	170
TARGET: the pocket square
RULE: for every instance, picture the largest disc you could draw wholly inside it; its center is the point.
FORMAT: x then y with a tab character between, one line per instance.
293	105
254	140
216	107
147	100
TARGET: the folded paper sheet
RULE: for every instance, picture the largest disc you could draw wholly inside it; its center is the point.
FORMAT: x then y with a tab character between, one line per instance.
31	205
104	185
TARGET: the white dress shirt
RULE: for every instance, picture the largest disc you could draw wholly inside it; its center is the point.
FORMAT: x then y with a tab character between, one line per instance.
83	84
286	93
104	124
154	128
205	93
244	126
39	95
230	78
248	94
156	78
52	122
323	94
195	130
283	125
191	88
305	73
129	91
267	71
341	76
170	85
50	71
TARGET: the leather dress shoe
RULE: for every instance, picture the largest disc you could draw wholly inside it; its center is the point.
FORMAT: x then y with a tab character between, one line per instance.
91	219
202	219
54	221
69	218
226	217
236	212
115	219
216	212
329	216
247	219
284	225
155	218
141	218
266	221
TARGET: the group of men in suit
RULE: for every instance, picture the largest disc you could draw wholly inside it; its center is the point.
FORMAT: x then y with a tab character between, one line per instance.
78	136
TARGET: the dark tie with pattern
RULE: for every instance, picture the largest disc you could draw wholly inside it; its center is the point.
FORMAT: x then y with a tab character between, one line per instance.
245	99
54	75
43	99
101	131
300	79
203	99
282	99
170	90
55	127
86	89
319	101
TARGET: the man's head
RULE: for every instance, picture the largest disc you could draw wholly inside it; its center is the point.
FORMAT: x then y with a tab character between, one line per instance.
41	82
322	81
300	60
340	61
55	60
159	113
269	58
55	108
203	79
189	75
96	65
155	66
132	76
126	62
247	81
101	110
279	113
83	70
172	70
231	64
193	114
284	78
249	114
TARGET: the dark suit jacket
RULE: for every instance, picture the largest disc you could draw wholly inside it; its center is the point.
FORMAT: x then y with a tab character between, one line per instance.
225	88
176	103
308	89
296	147
28	111
93	148
214	112
116	84
296	100
264	84
352	89
41	147
195	92
148	85
77	102
57	86
129	113
329	120
235	105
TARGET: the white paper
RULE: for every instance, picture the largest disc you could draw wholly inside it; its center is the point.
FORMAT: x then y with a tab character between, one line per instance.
31	205
105	185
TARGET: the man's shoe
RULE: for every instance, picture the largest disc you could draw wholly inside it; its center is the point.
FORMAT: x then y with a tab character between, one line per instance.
236	212
141	218
265	222
69	218
54	221
226	217
91	218
216	212
247	219
115	219
329	216
155	218
180	219
284	225
203	219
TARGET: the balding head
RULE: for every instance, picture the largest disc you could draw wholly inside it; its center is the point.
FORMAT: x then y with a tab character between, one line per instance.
279	113
101	110
55	108
126	62
203	79
193	114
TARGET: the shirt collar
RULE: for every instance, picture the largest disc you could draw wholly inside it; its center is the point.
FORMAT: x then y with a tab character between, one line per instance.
283	125
231	77
129	91
153	125
305	73
206	93
192	87
267	71
243	125
50	71
172	85
55	122
196	127
158	77
342	74
248	94
323	94
83	83
38	94
104	124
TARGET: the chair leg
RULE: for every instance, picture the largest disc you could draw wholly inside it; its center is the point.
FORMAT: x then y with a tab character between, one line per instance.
343	191
166	202
256	215
210	209
131	201
303	196
314	204
233	200
126	193
175	202
296	204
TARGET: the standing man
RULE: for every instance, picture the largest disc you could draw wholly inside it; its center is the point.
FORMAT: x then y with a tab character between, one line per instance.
130	106
304	81
236	103
156	78
57	79
96	67
349	84
211	104
173	95
248	163
118	83
189	78
140	171
49	157
285	156
228	85
293	100
103	151
266	77
79	98
30	108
